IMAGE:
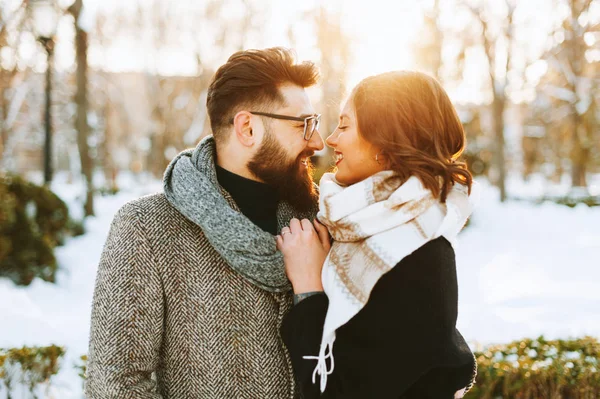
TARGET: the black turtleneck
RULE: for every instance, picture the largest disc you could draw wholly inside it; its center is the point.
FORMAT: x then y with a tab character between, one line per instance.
257	201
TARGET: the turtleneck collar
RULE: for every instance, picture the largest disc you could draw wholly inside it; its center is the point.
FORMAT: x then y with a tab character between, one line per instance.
257	201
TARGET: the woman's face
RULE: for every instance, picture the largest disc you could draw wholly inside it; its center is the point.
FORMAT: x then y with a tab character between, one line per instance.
355	157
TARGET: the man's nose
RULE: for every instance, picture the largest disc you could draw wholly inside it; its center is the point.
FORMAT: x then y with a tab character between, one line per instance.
316	142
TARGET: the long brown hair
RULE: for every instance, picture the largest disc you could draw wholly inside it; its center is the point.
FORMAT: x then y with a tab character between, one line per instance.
411	118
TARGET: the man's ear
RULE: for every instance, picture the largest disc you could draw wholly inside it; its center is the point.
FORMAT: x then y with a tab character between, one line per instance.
243	128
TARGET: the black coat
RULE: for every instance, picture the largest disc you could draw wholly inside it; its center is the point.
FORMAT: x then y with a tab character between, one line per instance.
402	344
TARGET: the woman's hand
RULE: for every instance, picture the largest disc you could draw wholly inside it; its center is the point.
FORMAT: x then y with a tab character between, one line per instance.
305	246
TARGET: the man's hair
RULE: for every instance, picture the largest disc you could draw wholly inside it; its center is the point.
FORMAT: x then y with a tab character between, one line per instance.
251	79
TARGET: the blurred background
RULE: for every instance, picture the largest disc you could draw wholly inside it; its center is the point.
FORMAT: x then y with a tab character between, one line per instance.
96	97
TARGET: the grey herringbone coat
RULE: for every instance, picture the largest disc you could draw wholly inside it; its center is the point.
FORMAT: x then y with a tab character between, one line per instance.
171	319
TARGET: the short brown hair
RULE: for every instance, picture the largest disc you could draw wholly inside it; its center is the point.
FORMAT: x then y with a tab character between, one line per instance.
252	78
411	118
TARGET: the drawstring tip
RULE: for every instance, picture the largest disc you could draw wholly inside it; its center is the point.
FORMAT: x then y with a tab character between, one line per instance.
321	367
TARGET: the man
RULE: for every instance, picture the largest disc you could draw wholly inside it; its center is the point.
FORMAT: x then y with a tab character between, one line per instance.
191	290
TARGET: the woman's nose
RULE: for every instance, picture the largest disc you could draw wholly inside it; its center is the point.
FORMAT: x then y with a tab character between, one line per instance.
331	140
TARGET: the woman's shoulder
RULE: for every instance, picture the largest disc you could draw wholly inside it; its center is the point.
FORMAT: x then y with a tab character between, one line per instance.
424	280
422	287
438	250
432	264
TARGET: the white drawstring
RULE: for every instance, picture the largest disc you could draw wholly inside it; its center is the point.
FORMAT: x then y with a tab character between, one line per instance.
321	367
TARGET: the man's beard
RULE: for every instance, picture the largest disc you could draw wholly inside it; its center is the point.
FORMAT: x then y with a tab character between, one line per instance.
293	182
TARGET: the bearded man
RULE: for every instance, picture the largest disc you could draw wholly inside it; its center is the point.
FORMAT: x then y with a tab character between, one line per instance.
191	290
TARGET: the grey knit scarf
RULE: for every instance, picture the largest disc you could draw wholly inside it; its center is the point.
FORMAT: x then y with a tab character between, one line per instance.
191	186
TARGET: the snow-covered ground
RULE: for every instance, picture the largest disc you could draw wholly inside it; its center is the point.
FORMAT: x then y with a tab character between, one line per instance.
523	269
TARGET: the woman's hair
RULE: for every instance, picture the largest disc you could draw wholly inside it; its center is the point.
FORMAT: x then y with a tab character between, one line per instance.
409	116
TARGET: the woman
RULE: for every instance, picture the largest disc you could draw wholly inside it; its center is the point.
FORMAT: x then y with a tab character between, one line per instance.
376	311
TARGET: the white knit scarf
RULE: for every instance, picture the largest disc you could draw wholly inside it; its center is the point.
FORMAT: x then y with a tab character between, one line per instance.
375	224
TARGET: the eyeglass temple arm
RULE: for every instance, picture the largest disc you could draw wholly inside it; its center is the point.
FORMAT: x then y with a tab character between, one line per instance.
284	117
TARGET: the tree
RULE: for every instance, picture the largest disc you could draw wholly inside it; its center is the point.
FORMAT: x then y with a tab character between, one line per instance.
334	45
11	19
165	25
428	49
572	81
497	40
81	100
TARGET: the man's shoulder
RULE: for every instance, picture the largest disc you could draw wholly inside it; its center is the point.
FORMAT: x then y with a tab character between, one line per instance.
148	202
148	208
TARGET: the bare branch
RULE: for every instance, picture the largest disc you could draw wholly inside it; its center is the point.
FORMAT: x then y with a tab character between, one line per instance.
510	33
593	28
585	6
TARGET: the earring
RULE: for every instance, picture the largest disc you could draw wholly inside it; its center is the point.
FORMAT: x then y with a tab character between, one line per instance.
377	157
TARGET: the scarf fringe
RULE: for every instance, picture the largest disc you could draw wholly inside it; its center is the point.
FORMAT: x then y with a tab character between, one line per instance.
321	369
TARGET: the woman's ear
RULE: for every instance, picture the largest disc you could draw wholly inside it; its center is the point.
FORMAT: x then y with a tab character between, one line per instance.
242	125
382	159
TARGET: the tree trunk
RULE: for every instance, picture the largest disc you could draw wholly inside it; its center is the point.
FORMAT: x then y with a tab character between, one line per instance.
498	105
580	148
3	130
437	43
48	170
580	155
108	163
81	123
334	47
6	82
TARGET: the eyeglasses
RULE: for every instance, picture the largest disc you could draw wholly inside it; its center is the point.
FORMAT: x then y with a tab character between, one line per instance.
311	123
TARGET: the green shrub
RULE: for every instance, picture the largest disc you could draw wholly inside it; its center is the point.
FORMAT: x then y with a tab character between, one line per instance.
33	220
29	366
571	202
107	191
538	369
81	367
525	369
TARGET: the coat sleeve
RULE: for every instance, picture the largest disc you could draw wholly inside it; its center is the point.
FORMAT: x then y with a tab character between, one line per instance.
127	315
301	330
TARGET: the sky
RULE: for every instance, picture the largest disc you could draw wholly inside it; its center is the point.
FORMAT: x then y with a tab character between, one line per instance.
382	35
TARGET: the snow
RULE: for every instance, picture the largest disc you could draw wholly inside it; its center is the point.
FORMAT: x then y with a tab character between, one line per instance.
500	88
527	270
523	270
583	105
87	18
560	93
585	91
